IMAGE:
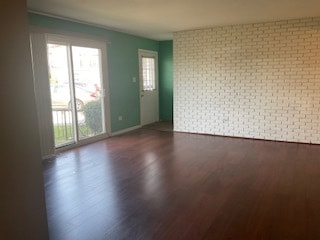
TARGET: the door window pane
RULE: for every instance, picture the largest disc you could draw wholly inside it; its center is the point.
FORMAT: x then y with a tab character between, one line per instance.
148	73
76	96
87	86
60	94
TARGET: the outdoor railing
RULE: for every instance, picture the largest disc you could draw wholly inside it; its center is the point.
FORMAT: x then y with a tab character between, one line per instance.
63	126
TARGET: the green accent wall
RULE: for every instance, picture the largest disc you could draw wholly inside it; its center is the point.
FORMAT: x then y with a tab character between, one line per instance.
166	80
123	65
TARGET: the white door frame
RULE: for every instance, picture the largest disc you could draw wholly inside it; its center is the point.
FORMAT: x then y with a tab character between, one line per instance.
45	91
103	72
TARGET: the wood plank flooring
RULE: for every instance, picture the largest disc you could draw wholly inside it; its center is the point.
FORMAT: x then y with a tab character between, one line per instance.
151	184
162	126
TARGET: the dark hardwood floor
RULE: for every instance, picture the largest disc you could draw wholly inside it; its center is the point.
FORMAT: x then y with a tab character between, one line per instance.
162	126
151	184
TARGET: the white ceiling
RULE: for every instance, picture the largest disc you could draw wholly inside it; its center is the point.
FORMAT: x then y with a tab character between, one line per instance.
158	19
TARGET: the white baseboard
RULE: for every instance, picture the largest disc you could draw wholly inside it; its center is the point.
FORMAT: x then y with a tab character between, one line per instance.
125	130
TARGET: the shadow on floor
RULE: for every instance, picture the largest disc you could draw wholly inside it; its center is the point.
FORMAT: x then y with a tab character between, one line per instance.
161	126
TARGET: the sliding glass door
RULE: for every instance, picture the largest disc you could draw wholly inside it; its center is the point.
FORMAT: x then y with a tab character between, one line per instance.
76	90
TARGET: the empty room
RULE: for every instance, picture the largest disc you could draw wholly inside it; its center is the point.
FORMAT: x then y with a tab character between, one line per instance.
158	120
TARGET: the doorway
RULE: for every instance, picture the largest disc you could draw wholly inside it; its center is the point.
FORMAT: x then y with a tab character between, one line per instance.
76	90
70	79
149	87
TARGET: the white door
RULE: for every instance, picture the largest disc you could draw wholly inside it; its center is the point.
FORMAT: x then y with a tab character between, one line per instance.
149	87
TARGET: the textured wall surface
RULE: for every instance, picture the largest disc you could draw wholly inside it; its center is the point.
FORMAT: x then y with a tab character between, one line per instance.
256	80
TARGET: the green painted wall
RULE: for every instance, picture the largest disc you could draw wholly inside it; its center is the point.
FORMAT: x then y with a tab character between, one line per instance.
166	80
122	54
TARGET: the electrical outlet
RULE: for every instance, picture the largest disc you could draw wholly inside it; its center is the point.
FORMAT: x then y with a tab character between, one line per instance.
120	118
134	79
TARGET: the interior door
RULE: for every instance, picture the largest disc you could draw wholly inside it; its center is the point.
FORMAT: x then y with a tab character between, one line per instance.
149	87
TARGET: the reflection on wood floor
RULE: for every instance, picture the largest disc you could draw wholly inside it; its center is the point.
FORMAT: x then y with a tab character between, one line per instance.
152	185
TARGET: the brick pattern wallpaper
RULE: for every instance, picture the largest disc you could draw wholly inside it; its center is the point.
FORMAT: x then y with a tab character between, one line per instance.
256	80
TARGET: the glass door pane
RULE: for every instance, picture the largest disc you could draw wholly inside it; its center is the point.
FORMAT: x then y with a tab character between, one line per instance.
148	73
76	85
87	88
61	95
